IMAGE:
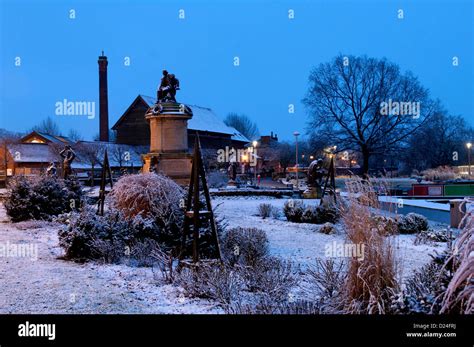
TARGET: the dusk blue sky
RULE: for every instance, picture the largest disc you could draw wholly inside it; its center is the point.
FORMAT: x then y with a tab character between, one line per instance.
59	54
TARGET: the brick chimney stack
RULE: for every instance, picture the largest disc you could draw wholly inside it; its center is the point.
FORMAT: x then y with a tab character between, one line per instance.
103	99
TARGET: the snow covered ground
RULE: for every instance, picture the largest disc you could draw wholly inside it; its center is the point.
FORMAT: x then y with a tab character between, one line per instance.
302	243
44	283
52	285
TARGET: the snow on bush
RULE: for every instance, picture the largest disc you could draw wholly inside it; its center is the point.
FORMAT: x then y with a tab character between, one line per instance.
265	210
41	197
424	290
214	282
412	223
443	286
371	281
145	214
108	237
385	225
459	295
310	215
244	246
261	288
151	196
441	173
295	211
327	228
431	235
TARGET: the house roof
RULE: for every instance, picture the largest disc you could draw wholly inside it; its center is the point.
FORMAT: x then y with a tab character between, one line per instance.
31	153
204	119
48	137
44	153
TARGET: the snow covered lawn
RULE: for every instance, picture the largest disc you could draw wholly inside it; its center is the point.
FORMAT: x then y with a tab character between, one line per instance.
52	285
301	242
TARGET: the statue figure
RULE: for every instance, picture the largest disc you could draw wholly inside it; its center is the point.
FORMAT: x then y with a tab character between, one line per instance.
68	156
316	172
51	170
168	87
232	172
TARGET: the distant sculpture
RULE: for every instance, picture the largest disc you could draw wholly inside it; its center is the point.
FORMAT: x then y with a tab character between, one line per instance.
232	172
168	87
68	156
316	172
51	170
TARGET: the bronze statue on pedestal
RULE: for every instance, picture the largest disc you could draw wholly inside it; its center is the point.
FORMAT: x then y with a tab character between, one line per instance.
168	87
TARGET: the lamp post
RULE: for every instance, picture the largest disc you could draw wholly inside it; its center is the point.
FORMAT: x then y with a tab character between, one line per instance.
469	145
296	134
255	143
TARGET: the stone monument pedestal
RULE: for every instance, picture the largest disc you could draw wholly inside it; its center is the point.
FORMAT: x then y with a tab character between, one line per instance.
312	192
169	141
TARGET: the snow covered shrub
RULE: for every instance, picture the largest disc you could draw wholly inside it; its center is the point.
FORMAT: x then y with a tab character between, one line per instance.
293	210
39	197
327	214
91	236
310	215
151	196
412	223
272	276
214	282
385	225
265	210
371	279
327	228
110	238
245	246
164	262
444	285
441	173
297	212
431	235
265	304
275	213
424	290
74	190
328	278
459	295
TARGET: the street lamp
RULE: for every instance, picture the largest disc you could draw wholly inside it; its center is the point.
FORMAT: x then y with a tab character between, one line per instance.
469	145
255	143
296	134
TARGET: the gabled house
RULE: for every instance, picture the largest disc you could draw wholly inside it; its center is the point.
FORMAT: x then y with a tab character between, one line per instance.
133	129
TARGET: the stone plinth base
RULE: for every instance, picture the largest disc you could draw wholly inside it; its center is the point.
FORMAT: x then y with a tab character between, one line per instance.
176	166
312	193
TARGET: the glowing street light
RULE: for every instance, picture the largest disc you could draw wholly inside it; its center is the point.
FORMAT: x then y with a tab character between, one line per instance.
255	143
469	145
296	134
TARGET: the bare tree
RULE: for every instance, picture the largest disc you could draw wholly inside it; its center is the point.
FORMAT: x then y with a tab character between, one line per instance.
243	124
286	154
441	141
350	99
74	135
91	152
48	126
120	153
